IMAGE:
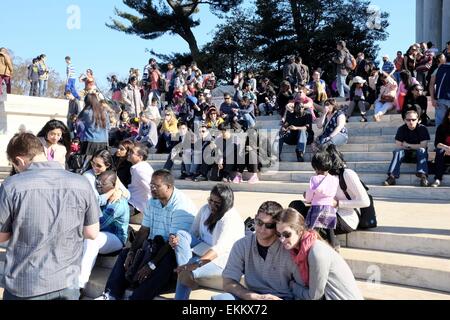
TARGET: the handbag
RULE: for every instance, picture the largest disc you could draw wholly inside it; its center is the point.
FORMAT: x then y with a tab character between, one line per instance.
367	216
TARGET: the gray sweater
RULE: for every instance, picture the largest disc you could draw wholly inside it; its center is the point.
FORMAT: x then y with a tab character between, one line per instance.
329	275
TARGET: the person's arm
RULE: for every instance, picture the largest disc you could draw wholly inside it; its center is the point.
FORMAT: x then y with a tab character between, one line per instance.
357	192
91	232
5	215
4	236
433	90
423	144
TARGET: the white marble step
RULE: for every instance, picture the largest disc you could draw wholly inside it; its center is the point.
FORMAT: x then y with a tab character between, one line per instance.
391	192
398	268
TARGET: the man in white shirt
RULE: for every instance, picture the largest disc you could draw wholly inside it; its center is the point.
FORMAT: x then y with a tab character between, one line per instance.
141	176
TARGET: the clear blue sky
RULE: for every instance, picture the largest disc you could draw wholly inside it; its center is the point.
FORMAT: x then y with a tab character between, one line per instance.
37	27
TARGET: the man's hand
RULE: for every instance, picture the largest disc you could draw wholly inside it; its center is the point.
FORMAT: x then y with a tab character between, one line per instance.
128	260
187	267
173	241
143	273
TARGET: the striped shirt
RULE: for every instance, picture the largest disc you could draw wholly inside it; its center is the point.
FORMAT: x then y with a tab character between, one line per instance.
178	214
45	209
70	72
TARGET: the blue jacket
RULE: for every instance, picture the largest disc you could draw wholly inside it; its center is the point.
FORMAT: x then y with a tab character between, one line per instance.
115	219
93	133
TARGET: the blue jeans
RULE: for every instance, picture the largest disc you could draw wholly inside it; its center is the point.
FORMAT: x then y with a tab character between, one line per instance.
302	138
397	76
341	85
64	294
42	88
224	296
399	156
440	163
184	256
441	108
249	119
71	87
338	140
148	289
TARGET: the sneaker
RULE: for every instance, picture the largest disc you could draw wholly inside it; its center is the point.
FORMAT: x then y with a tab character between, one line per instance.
105	296
390	181
424	181
238	178
299	156
363	119
436	183
200	179
183	176
254	179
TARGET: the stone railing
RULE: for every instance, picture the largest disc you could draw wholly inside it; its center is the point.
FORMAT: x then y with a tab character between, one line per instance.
23	113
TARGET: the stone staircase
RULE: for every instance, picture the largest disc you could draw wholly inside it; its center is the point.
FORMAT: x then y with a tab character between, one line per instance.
406	257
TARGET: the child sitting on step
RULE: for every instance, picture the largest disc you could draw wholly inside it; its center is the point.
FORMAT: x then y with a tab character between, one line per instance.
322	190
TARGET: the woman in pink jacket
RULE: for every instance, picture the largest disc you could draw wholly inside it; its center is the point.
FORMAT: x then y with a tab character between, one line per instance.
321	193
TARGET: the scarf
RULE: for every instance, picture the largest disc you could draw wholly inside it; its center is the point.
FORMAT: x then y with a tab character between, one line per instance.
301	257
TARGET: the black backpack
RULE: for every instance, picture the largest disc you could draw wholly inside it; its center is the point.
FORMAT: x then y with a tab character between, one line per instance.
367	216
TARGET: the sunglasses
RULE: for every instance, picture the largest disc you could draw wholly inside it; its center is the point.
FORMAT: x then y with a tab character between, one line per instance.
97	165
217	203
260	223
284	234
412	120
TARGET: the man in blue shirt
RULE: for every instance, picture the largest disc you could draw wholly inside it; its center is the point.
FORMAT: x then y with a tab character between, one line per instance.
388	66
167	212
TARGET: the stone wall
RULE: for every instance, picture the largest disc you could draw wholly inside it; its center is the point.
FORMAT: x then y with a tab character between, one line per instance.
28	114
433	22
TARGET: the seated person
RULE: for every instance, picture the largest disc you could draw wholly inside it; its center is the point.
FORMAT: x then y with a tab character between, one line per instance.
216	227
416	100
411	141
229	108
113	228
296	130
246	116
269	271
442	144
148	132
359	94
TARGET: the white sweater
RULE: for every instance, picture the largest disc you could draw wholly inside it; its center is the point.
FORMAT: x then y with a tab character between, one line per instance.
359	197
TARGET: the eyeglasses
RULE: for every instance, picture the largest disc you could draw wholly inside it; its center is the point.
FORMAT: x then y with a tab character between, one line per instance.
261	223
217	203
284	234
410	120
228	98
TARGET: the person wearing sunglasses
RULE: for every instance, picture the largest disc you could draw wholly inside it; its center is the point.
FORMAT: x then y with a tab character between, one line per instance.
202	253
411	142
325	274
268	270
416	100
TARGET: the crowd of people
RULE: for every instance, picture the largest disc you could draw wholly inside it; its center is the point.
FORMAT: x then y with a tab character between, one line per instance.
293	252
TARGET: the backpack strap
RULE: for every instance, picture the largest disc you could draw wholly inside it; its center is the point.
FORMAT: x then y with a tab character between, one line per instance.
343	184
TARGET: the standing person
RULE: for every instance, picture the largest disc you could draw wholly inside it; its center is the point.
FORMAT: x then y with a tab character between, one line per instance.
131	95
268	269
33	77
440	91
291	71
55	137
341	69
168	212
322	190
71	78
324	273
113	228
95	120
411	141
45	212
217	226
43	75
6	70
399	65
442	144
141	176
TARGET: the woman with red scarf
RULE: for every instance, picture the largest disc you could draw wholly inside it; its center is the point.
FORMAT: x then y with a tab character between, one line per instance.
324	272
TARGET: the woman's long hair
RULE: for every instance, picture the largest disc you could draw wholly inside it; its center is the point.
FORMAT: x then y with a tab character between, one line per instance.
99	114
337	159
225	193
107	158
128	145
56	124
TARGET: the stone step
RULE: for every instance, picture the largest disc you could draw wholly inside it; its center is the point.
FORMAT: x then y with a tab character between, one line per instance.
391	192
395	123
386	291
407	179
361	138
348	156
360	167
421	241
389	118
398	268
